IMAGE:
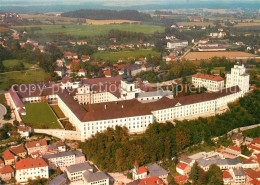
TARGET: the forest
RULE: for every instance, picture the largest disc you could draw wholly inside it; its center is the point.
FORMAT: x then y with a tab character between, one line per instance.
116	150
108	15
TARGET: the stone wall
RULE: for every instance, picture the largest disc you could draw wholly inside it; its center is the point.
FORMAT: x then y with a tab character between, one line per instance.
60	133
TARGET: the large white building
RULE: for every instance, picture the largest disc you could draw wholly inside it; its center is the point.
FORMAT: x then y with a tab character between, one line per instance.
31	169
238	76
126	106
210	82
177	44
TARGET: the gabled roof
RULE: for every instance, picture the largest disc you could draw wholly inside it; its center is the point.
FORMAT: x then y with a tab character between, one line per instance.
66	79
141	170
6	169
151	181
156	170
79	167
8	155
181	178
33	144
226	175
236	148
30	163
256	141
181	166
93	177
17	149
208	77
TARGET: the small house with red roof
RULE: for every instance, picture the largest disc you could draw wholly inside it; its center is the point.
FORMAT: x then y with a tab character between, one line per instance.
181	179
67	54
139	172
227	178
82	42
74	56
31	169
82	73
9	157
122	46
6	173
112	47
37	146
107	73
151	181
170	58
232	152
183	168
210	82
24	131
85	58
255	145
19	151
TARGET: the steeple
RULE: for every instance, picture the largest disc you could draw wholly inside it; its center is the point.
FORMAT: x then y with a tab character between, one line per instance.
130	78
124	76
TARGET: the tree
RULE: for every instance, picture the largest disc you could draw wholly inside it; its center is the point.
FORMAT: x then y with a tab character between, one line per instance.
245	151
2	67
215	175
194	173
171	180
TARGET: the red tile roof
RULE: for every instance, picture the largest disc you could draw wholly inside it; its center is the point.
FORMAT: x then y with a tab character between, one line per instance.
256	141
181	178
82	70
151	181
253	147
181	166
23	128
252	173
7	155
107	73
30	163
255	182
33	144
226	175
208	77
17	149
236	148
6	169
66	79
141	170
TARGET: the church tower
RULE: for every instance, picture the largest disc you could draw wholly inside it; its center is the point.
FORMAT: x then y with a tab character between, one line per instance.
128	87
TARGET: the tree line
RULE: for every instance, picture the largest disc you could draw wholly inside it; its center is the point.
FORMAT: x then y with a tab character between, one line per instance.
108	15
116	150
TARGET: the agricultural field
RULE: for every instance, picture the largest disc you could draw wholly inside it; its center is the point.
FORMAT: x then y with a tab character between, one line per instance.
3	29
18	77
208	55
103	22
40	115
114	56
195	23
247	24
12	63
92	30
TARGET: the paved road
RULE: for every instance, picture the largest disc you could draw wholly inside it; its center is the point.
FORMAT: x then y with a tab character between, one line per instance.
2	111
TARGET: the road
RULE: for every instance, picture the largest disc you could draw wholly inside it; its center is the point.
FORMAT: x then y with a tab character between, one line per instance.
3	111
186	53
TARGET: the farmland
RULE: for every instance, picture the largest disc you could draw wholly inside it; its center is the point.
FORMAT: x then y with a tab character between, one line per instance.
195	23
92	30
40	115
103	22
114	56
3	29
247	24
208	55
19	77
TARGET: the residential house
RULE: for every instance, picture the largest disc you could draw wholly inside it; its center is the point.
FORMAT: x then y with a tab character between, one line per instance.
237	139
251	163
252	174
6	173
238	175
151	181
177	44
82	42
19	151
181	179
156	170
232	152
75	172
227	178
31	169
82	72
67	54
75	56
24	131
255	145
9	157
183	168
170	58
85	58
97	178
39	147
139	172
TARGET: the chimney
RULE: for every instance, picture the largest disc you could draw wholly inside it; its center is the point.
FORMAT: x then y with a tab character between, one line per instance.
122	106
105	106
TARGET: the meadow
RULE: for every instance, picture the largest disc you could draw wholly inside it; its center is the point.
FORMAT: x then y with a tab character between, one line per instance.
19	77
12	63
40	115
92	30
114	56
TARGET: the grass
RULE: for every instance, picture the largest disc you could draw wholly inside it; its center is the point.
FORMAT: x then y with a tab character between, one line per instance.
40	115
2	99
199	148
12	63
57	111
93	30
114	56
20	77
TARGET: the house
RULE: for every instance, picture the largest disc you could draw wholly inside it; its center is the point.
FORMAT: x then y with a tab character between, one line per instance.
122	46
9	157
156	170
19	151
170	58
6	173
82	42
31	169
85	58
203	41
75	172
107	73
75	56
60	71
181	179
56	148
177	44
187	160
102	48
59	180
24	131
252	174
97	178
227	178
255	145
183	168
64	159
196	19
237	139
238	175
82	72
40	147
232	152
151	181
113	47
139	172
67	54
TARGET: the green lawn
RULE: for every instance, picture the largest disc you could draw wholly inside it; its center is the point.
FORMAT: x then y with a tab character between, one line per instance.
12	63
40	115
20	77
93	30
114	56
58	111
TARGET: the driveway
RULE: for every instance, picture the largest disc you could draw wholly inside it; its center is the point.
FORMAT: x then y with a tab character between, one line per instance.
2	111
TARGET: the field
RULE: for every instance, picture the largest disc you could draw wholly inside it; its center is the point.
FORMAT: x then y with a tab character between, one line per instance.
19	77
12	63
103	22
40	115
114	56
247	24
3	29
92	30
195	23
208	55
